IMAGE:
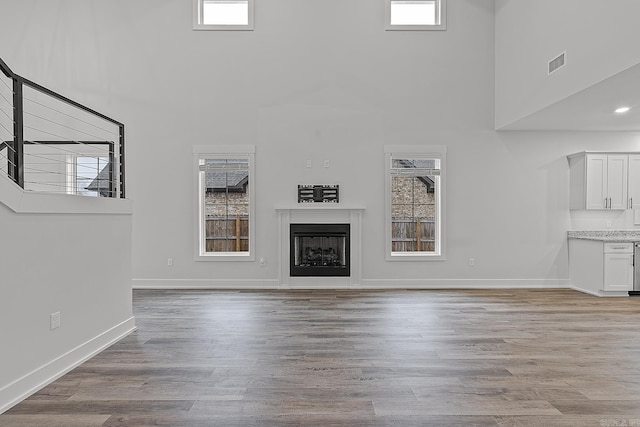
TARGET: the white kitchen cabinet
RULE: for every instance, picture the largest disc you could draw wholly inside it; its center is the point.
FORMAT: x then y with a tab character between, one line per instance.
599	181
633	183
601	268
595	181
618	267
617	169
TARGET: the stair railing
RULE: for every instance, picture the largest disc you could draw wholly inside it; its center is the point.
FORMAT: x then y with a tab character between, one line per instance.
54	144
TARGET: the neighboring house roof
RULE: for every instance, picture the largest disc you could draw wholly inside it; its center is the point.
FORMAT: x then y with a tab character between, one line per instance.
101	183
226	175
422	164
227	180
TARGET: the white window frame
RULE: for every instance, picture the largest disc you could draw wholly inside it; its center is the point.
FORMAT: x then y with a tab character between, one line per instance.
72	172
198	19
418	152
222	152
441	22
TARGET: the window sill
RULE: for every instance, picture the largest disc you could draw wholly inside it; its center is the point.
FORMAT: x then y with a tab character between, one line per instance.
203	27
440	27
415	256
225	256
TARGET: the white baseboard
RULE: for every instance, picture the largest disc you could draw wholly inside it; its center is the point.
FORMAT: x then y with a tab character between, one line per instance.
364	284
464	284
601	293
586	291
18	390
205	284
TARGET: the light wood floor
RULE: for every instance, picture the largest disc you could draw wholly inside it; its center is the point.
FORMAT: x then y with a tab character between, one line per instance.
333	358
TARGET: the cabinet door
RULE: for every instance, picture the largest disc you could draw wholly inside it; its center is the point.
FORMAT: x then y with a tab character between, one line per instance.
633	184
618	272
596	181
617	180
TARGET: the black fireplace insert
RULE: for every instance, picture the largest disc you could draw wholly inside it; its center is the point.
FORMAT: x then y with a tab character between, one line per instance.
320	250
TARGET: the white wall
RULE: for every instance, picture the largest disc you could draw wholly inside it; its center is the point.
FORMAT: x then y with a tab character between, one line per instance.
600	39
59	254
315	80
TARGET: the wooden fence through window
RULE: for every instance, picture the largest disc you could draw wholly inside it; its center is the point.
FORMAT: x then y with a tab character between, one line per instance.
227	234
413	235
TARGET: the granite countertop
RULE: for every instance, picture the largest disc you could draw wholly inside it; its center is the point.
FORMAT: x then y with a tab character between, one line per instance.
606	235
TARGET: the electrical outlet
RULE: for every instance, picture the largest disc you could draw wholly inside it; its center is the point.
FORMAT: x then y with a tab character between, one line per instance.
170	262
472	262
263	261
326	163
309	164
54	319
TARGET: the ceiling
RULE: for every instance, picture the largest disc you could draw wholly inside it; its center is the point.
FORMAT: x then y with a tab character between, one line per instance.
592	109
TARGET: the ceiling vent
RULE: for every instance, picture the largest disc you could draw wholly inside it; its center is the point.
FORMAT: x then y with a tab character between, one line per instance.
556	63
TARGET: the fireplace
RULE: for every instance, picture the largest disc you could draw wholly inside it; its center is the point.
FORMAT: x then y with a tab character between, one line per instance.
320	250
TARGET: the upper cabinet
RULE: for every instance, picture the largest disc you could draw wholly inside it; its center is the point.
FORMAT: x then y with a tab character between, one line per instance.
604	180
634	181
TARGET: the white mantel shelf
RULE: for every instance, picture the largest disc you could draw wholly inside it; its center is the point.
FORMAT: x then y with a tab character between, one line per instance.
319	213
319	206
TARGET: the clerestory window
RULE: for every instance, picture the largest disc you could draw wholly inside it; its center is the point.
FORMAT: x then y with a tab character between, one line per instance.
223	14
416	14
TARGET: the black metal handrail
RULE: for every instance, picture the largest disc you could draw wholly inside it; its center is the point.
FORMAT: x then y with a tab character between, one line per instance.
17	171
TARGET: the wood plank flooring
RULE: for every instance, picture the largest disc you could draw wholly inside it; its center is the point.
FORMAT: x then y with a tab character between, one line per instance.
358	358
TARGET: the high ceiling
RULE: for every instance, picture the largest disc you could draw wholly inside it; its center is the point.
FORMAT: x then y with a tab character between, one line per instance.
593	108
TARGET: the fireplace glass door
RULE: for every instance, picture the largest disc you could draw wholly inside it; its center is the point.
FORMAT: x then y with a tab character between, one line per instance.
320	250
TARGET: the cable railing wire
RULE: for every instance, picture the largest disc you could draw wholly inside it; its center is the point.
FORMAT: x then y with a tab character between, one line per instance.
7	146
3	97
38	168
59	147
50	160
104	185
63	125
5	113
8	160
8	131
61	138
56	185
5	83
79	171
69	115
57	144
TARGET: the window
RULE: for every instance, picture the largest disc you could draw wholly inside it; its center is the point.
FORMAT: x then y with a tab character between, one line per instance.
415	202
225	199
416	15
89	176
223	14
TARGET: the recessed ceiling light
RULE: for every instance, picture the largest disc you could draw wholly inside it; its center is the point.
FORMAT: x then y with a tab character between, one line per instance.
622	110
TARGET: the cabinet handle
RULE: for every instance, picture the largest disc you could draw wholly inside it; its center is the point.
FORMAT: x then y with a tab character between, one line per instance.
605	203
631	200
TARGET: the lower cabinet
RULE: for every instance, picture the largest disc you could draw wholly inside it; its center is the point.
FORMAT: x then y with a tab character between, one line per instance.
601	268
618	267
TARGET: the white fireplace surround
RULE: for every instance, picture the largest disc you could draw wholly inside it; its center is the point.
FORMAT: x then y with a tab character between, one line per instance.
319	213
